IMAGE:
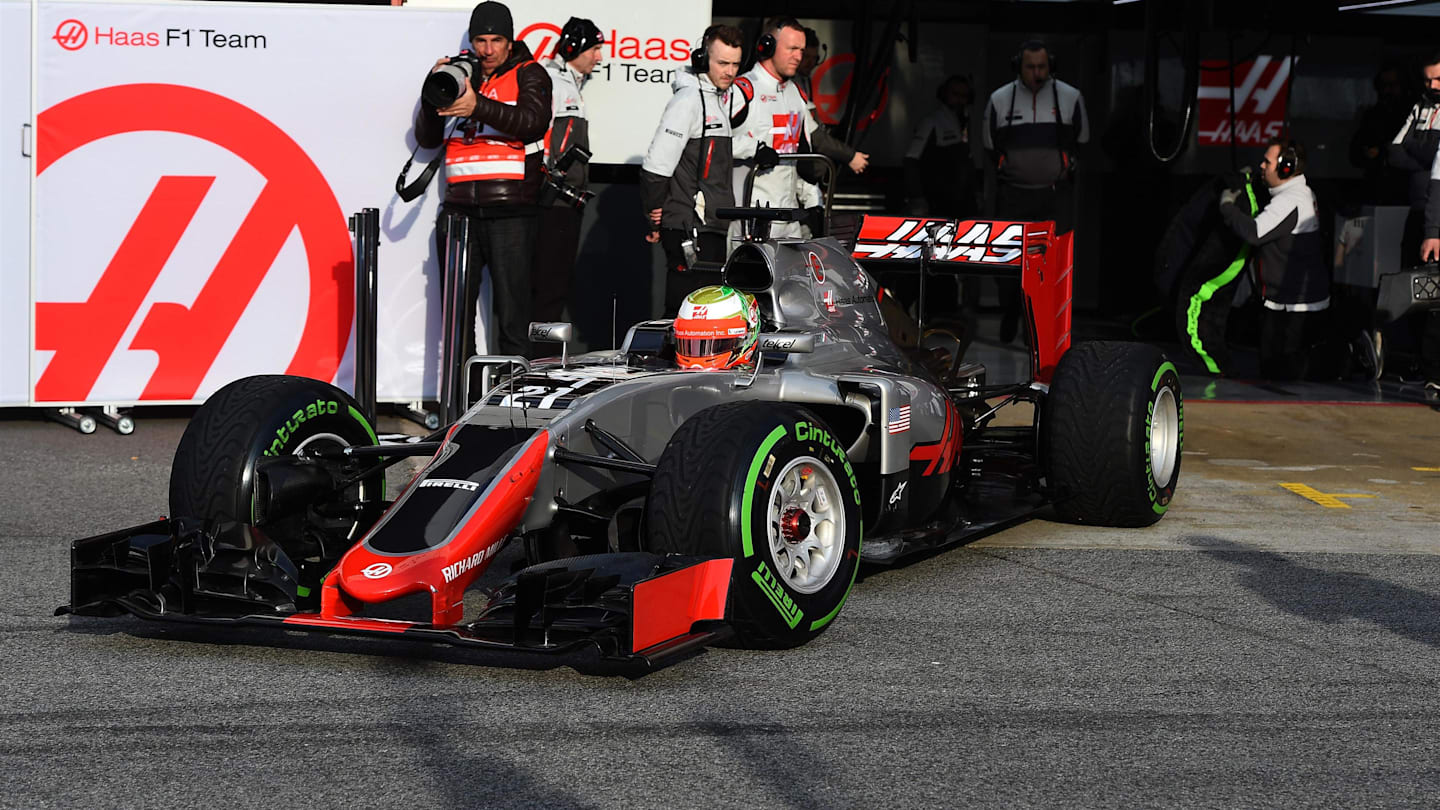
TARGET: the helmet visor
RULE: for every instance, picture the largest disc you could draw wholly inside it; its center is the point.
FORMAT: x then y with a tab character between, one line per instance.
707	347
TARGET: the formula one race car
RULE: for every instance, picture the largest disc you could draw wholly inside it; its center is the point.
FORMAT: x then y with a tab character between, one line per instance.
660	509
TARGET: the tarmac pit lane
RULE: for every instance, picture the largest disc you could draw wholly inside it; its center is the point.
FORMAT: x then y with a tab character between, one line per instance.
1286	477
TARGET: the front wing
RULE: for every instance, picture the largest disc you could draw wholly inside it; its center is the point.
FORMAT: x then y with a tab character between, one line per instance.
625	612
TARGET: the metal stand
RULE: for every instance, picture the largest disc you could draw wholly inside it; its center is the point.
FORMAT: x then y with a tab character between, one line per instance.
72	418
110	416
455	316
415	412
366	227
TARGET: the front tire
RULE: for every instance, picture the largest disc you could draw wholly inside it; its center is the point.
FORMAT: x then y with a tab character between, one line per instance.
214	474
770	487
1114	428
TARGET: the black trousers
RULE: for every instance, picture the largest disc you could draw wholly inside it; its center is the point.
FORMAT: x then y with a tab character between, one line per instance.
1283	350
506	245
555	245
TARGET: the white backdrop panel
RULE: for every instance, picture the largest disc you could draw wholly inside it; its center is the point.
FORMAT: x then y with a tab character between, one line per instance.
196	162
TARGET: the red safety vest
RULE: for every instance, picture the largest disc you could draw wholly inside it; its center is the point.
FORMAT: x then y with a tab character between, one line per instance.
488	154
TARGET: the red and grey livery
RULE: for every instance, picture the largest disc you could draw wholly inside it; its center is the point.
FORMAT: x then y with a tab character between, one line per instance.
655	511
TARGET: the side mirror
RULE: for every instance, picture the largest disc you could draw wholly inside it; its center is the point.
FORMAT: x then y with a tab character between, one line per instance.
541	332
550	332
787	342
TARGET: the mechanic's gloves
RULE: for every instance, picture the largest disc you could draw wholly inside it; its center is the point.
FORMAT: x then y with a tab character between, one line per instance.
766	157
1229	196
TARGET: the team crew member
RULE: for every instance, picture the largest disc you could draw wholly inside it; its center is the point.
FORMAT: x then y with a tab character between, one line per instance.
685	177
1033	126
492	166
576	56
1413	150
1294	280
775	120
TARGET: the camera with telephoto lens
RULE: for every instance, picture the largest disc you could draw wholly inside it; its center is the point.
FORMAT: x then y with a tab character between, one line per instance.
447	83
555	185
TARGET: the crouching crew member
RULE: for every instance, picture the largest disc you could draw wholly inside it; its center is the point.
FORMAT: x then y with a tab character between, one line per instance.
775	120
1294	279
562	199
492	167
685	178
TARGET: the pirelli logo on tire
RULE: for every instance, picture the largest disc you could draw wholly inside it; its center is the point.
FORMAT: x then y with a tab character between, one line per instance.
789	611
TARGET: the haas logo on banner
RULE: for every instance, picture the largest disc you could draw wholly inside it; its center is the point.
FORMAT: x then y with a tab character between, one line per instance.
542	37
87	329
1261	89
71	35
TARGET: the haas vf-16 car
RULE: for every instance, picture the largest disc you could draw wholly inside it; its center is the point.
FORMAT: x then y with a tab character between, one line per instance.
659	510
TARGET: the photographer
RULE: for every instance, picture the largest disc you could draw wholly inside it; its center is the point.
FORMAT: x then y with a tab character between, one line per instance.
492	163
685	178
567	144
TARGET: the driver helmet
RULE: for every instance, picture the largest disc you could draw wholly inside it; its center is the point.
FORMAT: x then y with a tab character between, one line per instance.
716	328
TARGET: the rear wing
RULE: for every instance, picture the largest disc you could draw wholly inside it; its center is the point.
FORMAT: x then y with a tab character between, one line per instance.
1031	250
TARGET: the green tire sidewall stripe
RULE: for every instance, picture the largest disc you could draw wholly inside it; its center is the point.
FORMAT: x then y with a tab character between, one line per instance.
365	423
370	431
826	619
747	544
747	537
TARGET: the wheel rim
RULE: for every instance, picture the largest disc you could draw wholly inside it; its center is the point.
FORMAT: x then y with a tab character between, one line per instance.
1164	436
806	525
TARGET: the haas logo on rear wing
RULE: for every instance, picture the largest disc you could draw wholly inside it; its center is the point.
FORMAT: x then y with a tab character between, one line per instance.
958	242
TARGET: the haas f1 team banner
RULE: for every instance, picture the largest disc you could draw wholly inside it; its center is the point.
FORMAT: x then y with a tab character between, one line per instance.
194	168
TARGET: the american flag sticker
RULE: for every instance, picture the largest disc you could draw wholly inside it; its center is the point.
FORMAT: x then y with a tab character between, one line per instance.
898	420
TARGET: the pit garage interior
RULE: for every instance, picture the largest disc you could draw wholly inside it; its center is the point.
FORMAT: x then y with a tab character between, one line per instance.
1149	152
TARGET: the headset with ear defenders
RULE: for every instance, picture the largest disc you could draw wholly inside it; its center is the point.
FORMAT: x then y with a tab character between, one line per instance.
569	46
700	56
1288	161
1033	45
765	47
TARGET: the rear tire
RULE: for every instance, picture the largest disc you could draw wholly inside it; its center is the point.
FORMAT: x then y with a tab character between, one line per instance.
1114	428
770	487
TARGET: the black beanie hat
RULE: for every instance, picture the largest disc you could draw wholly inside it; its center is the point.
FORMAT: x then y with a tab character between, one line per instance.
492	18
581	35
